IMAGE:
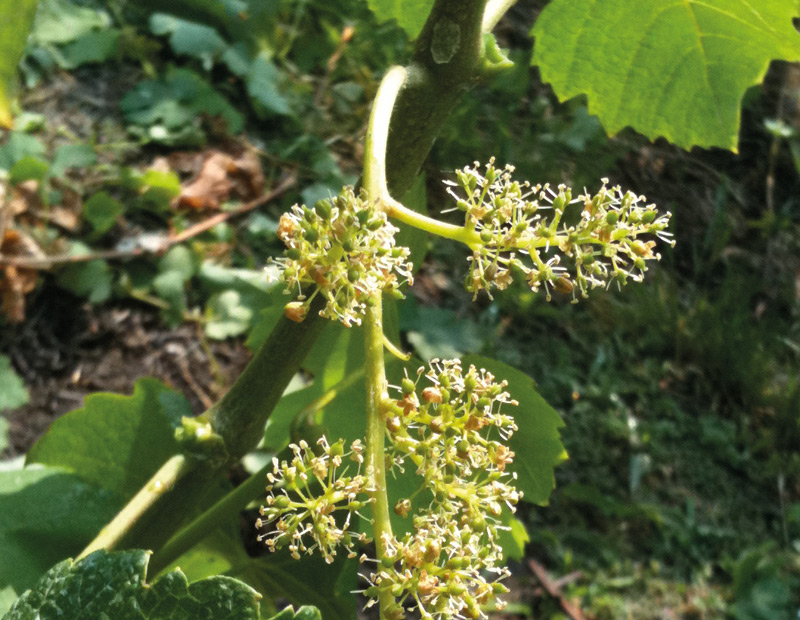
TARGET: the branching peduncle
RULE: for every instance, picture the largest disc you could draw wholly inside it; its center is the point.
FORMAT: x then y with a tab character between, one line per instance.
495	9
377	395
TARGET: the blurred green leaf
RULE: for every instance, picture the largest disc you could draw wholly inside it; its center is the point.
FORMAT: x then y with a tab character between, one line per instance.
46	515
645	64
175	269
28	168
170	110
438	332
513	539
410	14
92	47
17	146
72	156
12	390
102	212
112	585
61	21
189	38
227	316
238	296
116	442
263	86
537	442
91	279
157	188
16	19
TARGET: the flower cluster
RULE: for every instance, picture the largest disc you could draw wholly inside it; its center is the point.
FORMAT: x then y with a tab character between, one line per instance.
345	247
531	230
454	432
310	491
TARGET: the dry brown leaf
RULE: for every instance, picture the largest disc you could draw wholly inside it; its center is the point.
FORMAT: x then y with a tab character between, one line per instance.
68	215
25	197
211	186
248	180
16	282
220	177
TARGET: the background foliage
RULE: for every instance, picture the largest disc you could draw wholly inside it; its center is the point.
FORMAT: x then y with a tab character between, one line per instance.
682	491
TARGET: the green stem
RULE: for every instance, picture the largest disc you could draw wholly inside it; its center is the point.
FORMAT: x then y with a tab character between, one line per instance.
432	225
375	371
161	482
239	418
222	512
376	458
446	56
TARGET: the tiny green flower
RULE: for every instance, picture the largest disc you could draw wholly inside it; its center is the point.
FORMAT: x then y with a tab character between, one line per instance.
523	228
345	247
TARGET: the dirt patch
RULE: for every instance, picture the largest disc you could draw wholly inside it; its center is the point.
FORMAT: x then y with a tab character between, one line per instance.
68	349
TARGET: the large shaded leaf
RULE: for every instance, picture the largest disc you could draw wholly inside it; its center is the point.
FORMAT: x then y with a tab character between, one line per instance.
410	14
276	575
666	68
116	442
112	585
16	19
309	580
46	515
537	442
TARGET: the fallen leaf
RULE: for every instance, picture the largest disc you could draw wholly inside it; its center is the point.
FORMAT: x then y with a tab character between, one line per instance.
248	179
17	282
221	177
68	215
211	186
25	196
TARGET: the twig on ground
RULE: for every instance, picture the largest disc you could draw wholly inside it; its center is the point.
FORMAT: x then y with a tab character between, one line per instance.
553	588
47	262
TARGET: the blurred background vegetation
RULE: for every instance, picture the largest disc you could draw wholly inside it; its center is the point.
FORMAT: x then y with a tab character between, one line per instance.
681	396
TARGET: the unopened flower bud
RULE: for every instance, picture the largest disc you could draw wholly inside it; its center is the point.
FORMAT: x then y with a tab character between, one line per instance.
295	311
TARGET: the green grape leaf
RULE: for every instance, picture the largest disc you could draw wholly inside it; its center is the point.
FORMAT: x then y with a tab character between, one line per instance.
12	390
308	580
672	69
306	612
189	38
72	156
112	585
264	88
116	442
102	212
169	110
410	14
237	296
46	515
93	47
16	19
513	539
28	168
18	146
60	21
537	442
276	576
91	279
